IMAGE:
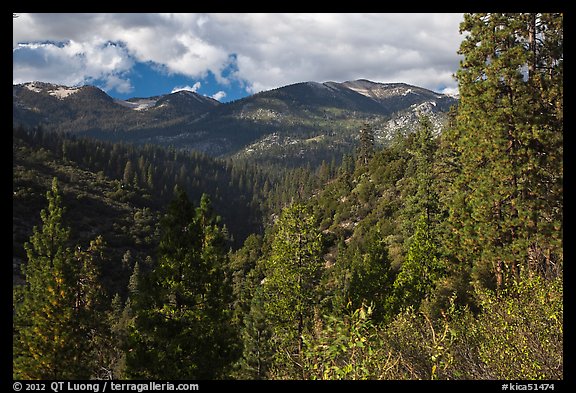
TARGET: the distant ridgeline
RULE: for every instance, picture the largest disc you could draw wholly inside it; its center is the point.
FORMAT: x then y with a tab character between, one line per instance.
295	125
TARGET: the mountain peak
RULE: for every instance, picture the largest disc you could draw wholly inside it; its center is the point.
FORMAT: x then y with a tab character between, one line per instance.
283	117
58	91
382	91
192	95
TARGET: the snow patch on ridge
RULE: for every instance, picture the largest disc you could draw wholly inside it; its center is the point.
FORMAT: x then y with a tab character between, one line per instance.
33	87
137	105
63	92
59	92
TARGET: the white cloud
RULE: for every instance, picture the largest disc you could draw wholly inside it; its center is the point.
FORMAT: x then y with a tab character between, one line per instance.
113	82
261	51
278	50
194	88
451	91
73	63
219	95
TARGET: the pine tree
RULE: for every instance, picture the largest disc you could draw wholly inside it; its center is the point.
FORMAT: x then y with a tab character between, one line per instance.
128	174
424	199
371	277
150	177
421	270
293	271
56	316
136	298
187	311
366	143
257	339
118	339
508	140
420	222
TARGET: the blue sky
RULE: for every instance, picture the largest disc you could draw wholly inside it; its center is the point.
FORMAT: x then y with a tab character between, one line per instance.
148	79
229	56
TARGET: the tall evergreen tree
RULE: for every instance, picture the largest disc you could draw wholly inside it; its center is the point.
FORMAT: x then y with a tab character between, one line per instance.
421	270
508	139
56	316
293	271
187	311
128	174
420	215
426	196
257	339
371	276
423	198
366	143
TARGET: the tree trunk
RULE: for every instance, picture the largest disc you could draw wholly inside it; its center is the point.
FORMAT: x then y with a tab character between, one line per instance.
532	45
499	275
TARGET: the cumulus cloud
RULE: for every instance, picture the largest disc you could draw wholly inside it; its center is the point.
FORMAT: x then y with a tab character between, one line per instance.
219	95
321	47
193	88
114	82
259	51
451	91
72	63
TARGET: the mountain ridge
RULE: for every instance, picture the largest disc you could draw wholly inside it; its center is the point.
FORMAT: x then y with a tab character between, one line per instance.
186	120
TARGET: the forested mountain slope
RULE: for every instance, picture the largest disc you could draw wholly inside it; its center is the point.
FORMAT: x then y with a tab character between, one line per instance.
294	125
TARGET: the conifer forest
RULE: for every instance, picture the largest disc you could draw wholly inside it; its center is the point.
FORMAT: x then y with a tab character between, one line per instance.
436	256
